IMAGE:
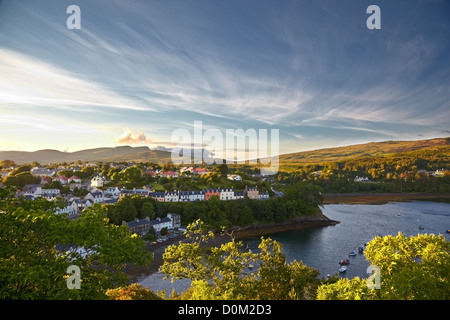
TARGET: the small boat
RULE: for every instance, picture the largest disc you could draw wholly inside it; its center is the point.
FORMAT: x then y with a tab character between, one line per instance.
421	228
352	253
360	249
342	269
448	231
342	262
399	214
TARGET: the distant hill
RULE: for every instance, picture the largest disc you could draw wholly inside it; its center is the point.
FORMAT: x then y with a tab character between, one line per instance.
123	153
360	151
145	154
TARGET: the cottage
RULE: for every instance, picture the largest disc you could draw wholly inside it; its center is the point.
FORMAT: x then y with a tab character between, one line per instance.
234	177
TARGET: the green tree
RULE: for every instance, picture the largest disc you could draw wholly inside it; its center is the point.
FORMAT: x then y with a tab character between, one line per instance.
223	272
416	267
7	163
38	246
148	210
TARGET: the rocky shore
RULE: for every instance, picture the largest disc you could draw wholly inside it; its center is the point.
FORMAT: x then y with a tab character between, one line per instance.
318	220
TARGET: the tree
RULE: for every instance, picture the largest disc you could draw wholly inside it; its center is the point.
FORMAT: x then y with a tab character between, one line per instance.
7	163
37	247
222	272
416	267
222	169
133	291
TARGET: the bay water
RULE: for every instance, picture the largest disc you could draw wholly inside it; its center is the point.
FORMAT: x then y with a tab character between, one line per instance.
323	247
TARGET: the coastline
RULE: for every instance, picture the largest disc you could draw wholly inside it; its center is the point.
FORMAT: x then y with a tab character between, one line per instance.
380	198
137	274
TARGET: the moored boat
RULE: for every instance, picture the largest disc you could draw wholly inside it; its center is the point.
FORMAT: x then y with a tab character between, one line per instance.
352	253
342	269
343	262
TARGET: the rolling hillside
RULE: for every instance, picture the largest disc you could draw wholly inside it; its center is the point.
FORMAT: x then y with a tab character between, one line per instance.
145	154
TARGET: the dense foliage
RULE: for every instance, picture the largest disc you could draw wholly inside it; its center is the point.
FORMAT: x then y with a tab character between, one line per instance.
401	172
416	267
226	272
411	268
37	246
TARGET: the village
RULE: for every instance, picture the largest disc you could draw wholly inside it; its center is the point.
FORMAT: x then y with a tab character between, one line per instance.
84	193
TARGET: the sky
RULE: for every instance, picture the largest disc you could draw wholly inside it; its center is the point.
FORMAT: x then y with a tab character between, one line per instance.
138	70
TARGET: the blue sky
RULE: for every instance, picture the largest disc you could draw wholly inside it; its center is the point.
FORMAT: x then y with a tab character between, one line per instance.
138	70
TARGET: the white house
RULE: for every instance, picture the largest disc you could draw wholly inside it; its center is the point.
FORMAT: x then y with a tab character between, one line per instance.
53	192
160	223
71	209
234	177
113	192
361	179
64	180
98	181
95	196
82	204
171	196
191	196
263	195
227	194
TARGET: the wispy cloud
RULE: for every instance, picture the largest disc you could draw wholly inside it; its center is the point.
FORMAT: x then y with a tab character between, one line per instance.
27	81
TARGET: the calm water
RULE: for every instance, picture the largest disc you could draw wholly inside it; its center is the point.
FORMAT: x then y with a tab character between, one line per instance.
323	247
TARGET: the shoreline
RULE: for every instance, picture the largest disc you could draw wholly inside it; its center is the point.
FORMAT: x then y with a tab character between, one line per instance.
137	274
380	198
